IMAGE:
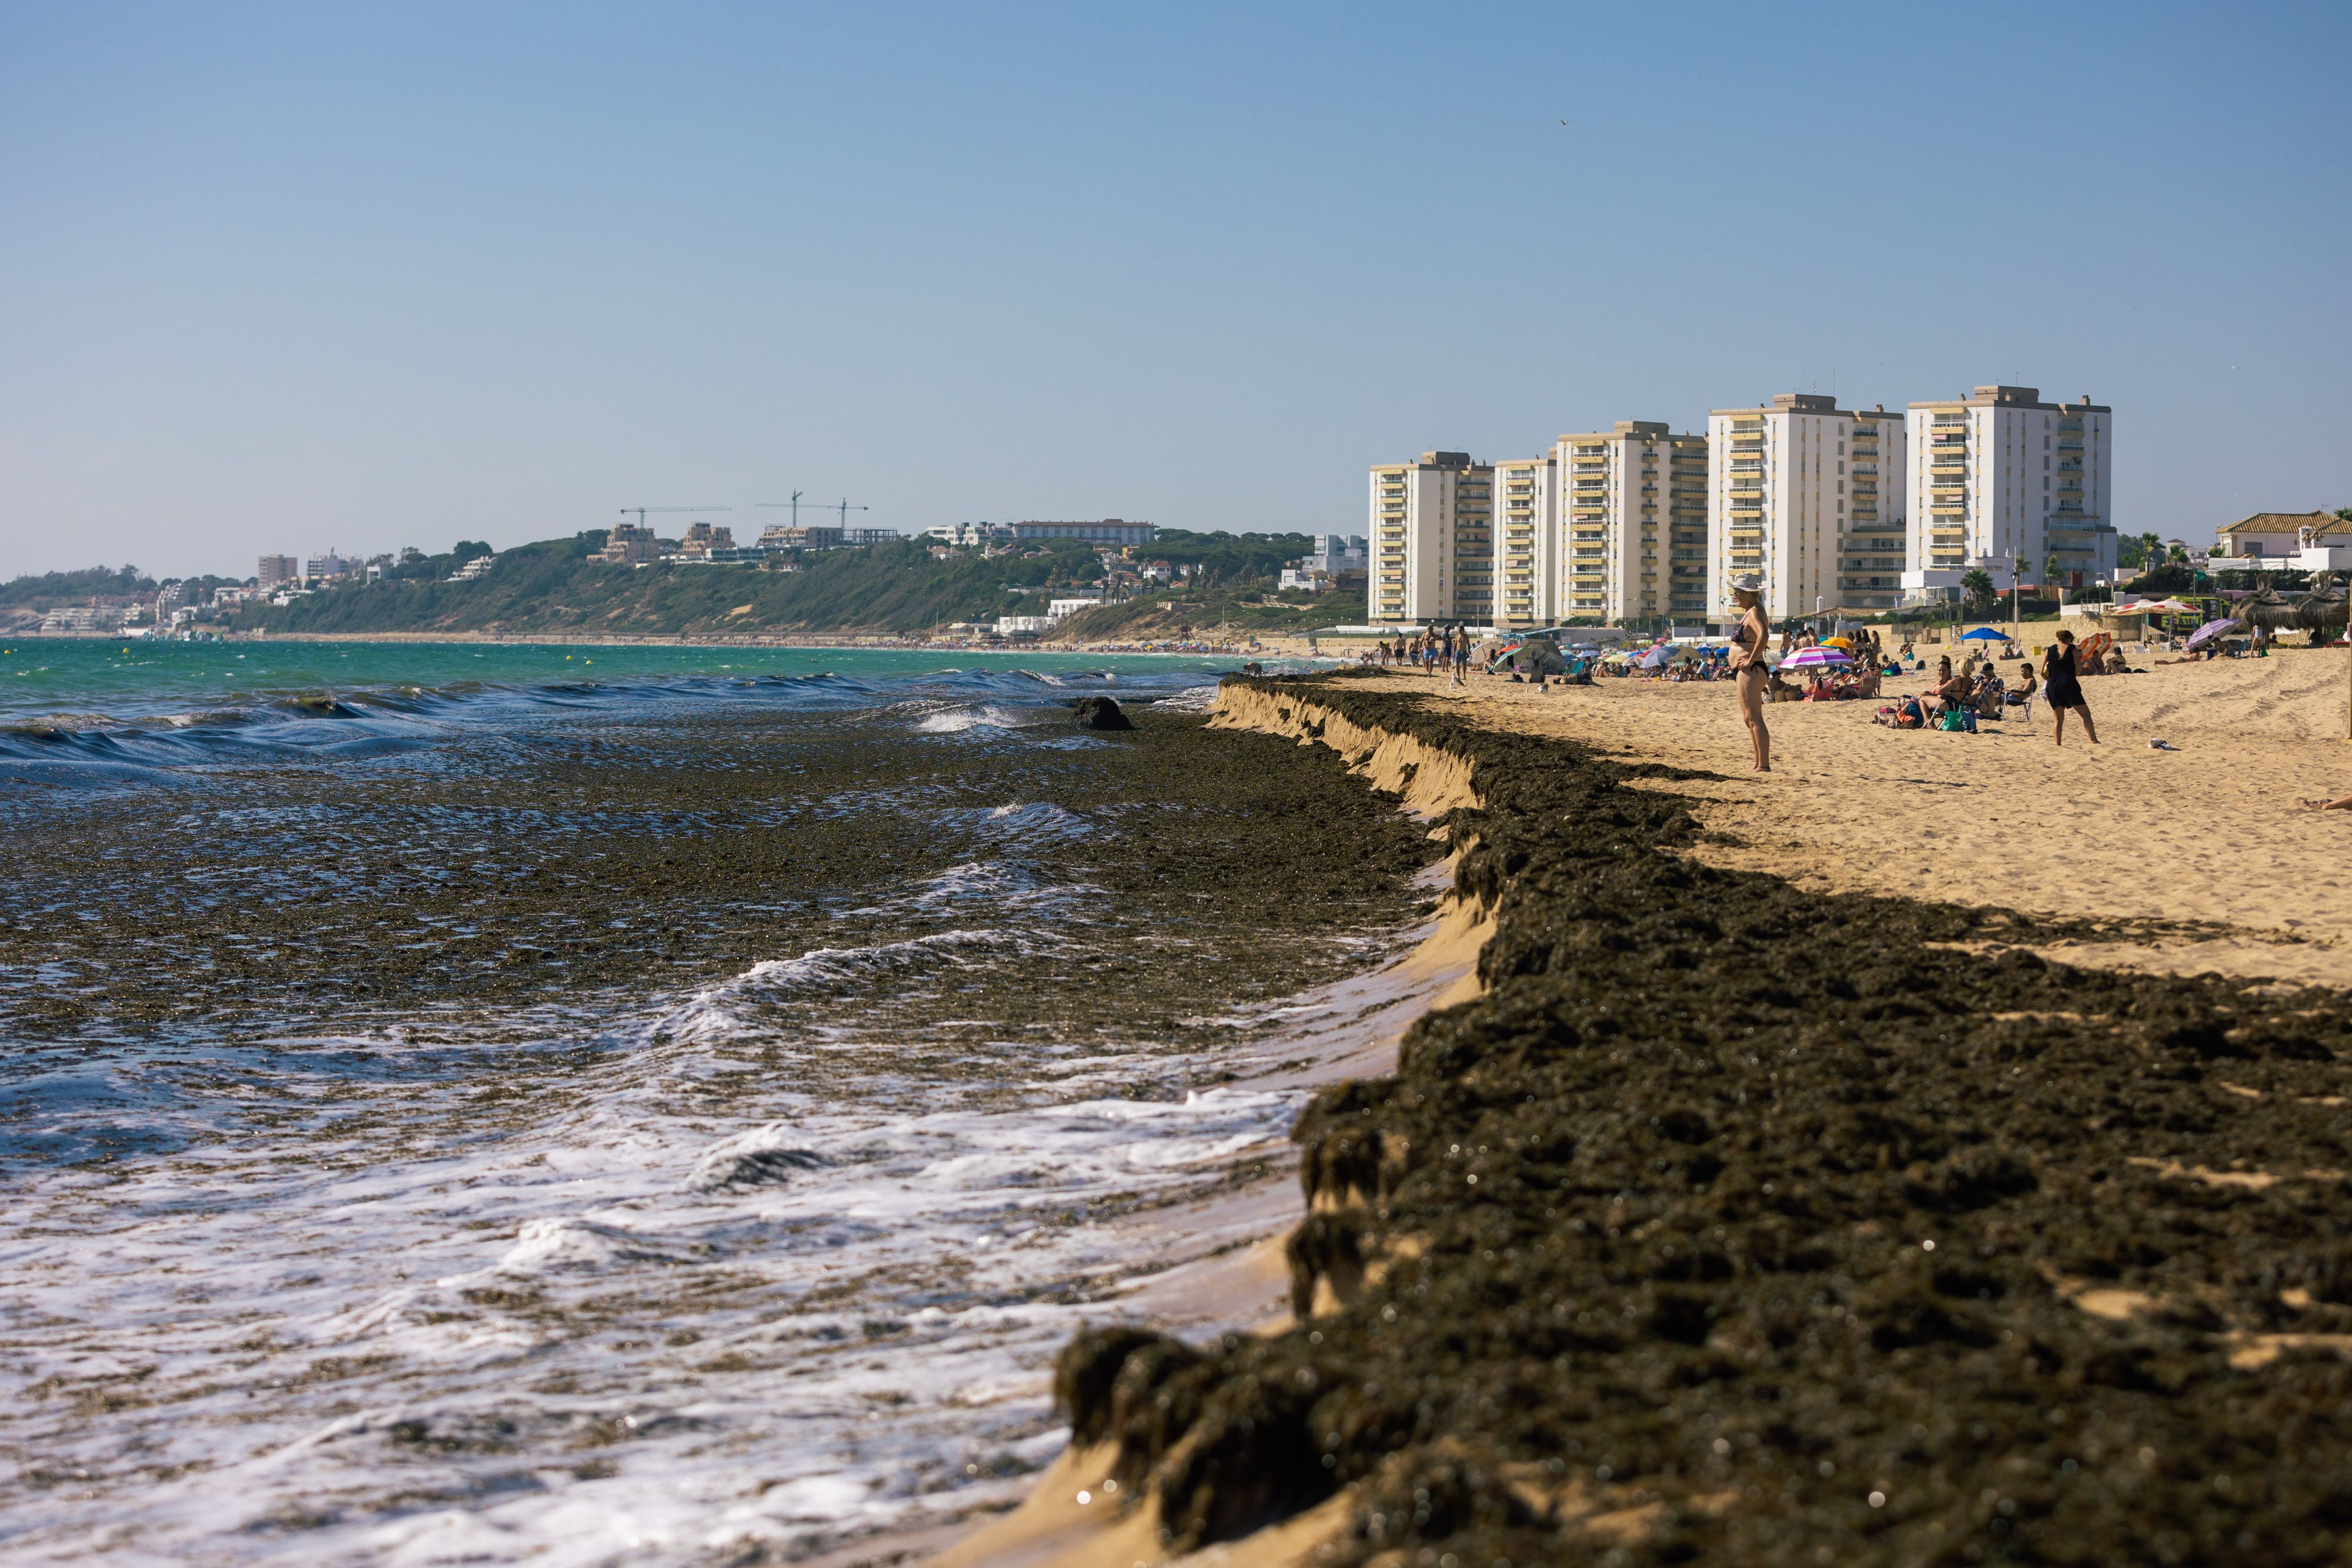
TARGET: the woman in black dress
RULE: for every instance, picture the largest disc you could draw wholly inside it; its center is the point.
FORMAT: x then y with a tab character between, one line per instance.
2062	690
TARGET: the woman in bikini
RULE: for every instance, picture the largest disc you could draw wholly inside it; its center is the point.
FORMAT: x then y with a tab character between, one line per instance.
1749	641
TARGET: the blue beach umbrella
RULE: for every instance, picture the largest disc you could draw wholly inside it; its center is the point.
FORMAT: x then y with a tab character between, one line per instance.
1984	634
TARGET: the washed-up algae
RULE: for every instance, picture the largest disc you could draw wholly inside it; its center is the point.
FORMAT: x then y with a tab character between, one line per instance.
1741	1223
579	865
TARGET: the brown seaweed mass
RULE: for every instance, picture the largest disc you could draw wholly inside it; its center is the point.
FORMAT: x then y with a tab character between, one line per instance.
1742	1224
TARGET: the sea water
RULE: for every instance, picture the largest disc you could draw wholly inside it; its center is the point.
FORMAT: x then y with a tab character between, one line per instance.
597	1106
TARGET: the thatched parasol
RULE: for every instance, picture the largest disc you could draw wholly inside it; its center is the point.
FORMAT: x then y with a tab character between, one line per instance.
2323	608
2265	607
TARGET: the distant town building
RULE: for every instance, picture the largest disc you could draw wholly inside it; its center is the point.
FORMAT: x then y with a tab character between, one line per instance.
327	567
174	596
1335	561
1058	609
971	533
474	569
279	568
870	536
783	536
705	541
2001	477
1432	541
629	544
1109	530
1023	626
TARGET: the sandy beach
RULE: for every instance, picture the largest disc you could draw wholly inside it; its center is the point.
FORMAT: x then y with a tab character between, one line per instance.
2206	836
1680	1241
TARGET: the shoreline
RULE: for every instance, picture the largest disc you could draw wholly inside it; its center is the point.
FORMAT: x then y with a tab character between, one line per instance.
1665	1182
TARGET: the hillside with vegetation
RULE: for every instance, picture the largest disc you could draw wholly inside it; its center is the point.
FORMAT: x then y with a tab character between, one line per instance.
554	588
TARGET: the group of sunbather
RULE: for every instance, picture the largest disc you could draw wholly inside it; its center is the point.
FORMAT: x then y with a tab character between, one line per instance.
1960	698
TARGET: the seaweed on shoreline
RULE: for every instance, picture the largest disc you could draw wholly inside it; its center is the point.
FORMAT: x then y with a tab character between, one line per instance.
1738	1223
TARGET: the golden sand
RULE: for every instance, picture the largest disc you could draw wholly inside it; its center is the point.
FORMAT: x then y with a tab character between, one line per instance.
2207	835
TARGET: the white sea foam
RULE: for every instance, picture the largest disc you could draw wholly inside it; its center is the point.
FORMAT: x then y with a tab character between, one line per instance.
989	716
725	1293
1192	700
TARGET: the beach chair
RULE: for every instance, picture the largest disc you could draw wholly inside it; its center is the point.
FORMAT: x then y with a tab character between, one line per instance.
2092	652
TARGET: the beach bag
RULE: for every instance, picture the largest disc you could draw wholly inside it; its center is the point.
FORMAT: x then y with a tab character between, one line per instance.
1952	721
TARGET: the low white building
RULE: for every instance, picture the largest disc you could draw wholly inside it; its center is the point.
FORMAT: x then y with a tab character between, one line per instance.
1057	608
1024	625
971	533
1334	560
2315	540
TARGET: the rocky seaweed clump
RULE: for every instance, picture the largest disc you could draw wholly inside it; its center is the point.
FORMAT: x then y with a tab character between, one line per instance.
1743	1223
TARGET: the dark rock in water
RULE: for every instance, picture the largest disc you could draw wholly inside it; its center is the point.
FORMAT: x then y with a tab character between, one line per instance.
1101	713
753	1168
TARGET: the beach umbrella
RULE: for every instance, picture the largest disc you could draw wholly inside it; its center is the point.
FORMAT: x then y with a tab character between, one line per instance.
1814	659
1984	634
2212	629
1837	641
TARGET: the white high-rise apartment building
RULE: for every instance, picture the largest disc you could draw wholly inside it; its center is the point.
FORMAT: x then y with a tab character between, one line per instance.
1875	551
1432	541
2003	481
1781	503
1528	542
1635	503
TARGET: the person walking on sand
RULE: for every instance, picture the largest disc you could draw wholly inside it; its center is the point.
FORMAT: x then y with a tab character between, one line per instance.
1749	639
2062	690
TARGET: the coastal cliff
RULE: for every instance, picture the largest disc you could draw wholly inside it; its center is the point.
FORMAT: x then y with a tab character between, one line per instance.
1731	1222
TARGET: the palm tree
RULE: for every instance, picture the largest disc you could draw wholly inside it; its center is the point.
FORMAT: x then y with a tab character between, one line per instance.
1976	589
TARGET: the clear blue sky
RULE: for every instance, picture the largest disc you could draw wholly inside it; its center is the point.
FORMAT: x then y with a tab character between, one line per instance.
283	278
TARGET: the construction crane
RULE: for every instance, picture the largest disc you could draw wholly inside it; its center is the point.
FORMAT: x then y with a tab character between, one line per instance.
845	506
794	504
642	511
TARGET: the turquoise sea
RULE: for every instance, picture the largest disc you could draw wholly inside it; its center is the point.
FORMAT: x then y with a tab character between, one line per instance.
583	1105
139	679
